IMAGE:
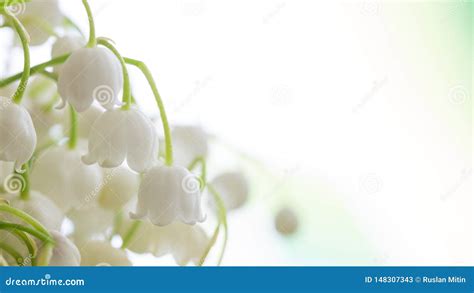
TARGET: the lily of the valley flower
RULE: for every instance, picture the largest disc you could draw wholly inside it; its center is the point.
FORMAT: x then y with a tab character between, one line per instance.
189	143
233	187
90	221
168	194
100	253
60	174
120	185
17	133
286	221
88	74
65	252
66	45
118	135
40	17
185	243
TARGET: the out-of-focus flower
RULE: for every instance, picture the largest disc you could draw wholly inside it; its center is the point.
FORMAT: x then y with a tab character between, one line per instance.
88	74
17	133
120	185
233	187
40	17
100	253
65	252
66	45
60	174
185	243
119	134
286	221
189	142
169	194
90	221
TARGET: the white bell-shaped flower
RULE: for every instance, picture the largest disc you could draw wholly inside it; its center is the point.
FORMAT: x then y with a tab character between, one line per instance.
119	134
17	133
40	207
6	169
189	142
169	194
85	120
39	17
65	252
233	187
66	45
88	74
60	174
101	253
186	243
90	221
286	221
119	186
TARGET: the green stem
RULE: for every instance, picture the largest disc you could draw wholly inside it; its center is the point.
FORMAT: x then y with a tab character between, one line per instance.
51	75
24	38
130	233
25	191
127	92
34	70
211	244
72	129
166	128
12	226
202	161
222	217
29	243
92	41
45	254
25	217
12	252
69	22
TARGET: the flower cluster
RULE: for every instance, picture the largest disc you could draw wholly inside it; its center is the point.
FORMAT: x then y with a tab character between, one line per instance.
86	175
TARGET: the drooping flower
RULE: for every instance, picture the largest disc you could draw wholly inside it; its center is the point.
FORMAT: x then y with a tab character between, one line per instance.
39	17
286	221
189	142
118	135
65	252
233	187
186	243
85	120
169	194
120	185
66	45
17	133
60	174
101	253
88	74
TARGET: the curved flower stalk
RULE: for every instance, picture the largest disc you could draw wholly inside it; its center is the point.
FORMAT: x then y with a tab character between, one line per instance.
60	174
101	253
64	252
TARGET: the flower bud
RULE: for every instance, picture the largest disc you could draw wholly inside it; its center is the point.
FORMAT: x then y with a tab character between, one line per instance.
286	221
